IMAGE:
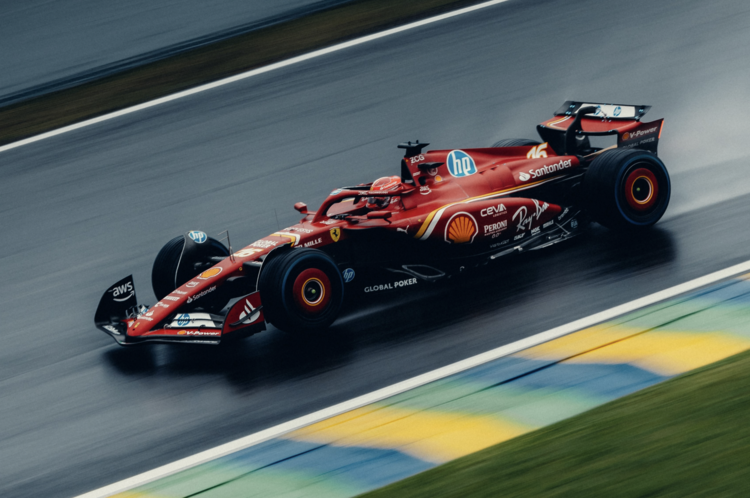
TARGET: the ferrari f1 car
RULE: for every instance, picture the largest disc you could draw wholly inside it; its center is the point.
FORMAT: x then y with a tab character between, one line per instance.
448	211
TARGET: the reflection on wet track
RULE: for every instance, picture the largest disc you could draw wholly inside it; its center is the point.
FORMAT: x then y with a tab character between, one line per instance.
396	318
82	209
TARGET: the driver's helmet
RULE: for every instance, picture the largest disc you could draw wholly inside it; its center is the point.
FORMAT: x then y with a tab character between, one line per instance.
385	184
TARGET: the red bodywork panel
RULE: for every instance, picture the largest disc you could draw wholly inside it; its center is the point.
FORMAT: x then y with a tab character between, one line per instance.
478	199
463	200
591	125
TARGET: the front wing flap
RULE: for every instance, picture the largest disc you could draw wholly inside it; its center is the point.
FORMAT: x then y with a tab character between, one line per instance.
120	316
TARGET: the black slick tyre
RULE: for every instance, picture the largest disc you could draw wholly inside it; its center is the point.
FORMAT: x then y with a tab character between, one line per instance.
626	189
164	271
302	290
515	142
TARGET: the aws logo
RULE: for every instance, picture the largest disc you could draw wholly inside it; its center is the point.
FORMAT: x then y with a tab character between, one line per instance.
122	293
461	164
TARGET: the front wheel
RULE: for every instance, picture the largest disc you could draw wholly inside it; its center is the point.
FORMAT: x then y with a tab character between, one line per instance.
164	272
626	189
302	290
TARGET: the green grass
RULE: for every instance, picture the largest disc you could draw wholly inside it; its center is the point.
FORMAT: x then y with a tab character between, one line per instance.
689	436
213	62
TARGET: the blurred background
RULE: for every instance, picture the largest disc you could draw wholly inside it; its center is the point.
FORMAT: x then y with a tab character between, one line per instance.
83	209
51	45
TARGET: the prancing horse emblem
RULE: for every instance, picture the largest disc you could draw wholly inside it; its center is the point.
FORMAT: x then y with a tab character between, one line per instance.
335	234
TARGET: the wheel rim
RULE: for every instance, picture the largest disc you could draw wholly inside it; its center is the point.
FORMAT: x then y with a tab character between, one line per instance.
312	291
641	189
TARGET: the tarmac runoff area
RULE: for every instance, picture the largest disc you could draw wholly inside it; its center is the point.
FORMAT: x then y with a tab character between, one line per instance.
415	430
113	193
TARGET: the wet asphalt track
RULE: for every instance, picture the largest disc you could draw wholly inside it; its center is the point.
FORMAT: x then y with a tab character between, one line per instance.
84	209
43	41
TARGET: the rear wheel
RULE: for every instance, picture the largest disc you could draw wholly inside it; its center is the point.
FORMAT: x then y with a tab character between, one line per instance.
514	142
302	290
164	272
626	189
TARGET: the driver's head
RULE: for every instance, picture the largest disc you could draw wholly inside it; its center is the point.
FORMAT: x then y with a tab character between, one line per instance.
385	184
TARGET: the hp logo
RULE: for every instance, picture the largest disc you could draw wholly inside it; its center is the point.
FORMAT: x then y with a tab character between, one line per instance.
348	275
461	164
198	236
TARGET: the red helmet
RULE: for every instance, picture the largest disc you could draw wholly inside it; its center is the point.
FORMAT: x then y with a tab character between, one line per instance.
385	184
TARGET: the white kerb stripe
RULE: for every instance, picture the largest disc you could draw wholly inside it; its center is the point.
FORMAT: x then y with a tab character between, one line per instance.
414	382
249	74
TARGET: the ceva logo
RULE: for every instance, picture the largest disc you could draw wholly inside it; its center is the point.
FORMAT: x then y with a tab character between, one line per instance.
461	164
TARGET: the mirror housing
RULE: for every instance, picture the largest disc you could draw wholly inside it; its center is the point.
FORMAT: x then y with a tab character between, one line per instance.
301	207
381	215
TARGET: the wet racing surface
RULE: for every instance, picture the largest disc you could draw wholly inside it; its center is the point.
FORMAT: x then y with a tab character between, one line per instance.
42	41
84	209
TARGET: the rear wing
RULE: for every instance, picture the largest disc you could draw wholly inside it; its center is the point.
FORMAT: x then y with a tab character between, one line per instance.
567	133
611	111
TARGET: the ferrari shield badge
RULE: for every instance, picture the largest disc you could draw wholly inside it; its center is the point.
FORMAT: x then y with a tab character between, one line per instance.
335	234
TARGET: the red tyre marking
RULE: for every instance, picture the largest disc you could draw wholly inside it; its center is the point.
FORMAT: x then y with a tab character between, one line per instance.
641	178
318	280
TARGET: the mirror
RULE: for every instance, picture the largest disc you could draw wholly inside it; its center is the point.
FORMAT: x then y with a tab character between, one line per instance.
383	215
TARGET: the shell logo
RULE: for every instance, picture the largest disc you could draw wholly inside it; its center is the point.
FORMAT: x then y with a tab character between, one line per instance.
625	136
182	332
210	273
461	229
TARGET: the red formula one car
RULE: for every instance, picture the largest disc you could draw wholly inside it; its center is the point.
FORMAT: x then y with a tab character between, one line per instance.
448	211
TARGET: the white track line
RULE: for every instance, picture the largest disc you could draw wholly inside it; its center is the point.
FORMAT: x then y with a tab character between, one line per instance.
250	74
414	382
